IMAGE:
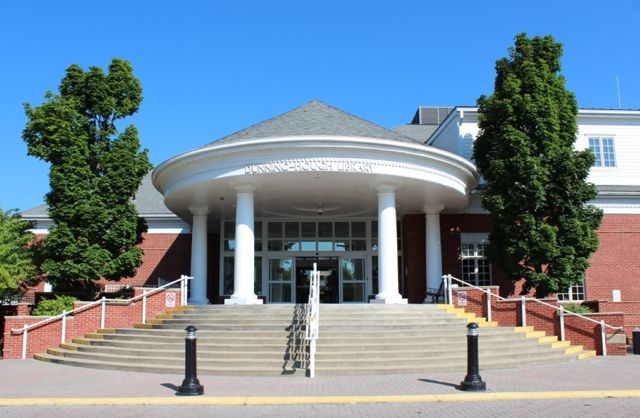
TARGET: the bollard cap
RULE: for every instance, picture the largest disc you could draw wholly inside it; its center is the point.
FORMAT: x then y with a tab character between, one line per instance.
472	329
191	331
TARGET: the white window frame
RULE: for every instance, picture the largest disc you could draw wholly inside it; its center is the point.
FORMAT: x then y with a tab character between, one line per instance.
475	239
575	293
598	150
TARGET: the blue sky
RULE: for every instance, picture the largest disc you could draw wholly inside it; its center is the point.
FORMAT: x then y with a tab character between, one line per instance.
210	68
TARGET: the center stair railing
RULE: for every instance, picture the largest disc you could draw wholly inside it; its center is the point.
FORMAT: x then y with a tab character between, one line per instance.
448	280
313	318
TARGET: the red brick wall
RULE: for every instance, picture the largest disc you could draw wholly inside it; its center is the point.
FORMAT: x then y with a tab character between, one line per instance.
544	318
81	323
165	255
169	256
616	265
631	312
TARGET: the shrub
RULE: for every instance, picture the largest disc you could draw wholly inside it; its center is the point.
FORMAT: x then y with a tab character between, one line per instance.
580	309
51	307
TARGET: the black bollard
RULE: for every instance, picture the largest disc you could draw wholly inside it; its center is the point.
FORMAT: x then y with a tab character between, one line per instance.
190	385
472	381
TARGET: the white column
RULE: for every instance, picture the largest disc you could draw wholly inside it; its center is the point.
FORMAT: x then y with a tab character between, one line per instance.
243	279
433	247
387	248
199	256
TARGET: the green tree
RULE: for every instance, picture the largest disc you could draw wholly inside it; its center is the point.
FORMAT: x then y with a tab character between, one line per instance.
536	189
95	171
15	255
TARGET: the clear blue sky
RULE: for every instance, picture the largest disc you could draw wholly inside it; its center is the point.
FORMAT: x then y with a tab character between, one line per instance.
210	68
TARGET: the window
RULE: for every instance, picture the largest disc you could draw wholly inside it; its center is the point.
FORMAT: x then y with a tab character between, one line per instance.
603	150
573	293
476	268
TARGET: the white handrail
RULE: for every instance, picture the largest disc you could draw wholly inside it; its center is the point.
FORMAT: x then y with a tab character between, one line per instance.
313	318
561	312
24	330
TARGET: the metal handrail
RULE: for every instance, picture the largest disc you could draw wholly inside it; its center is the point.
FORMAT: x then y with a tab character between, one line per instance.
447	278
313	318
63	316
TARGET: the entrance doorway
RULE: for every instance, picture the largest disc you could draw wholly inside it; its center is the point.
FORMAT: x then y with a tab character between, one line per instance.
329	280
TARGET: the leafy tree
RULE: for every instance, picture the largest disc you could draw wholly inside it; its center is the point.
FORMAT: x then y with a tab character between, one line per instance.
15	255
95	171
536	189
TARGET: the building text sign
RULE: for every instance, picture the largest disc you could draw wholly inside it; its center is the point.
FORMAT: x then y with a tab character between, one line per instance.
297	165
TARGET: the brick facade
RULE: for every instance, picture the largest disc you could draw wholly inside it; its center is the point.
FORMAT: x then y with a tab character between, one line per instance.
616	264
166	256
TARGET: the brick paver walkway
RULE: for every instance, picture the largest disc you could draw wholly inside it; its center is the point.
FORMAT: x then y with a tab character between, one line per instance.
31	379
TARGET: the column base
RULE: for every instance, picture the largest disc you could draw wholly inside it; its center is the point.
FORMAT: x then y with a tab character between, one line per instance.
195	301
389	300
243	301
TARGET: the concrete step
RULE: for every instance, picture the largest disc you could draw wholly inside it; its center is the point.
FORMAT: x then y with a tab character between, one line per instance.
353	339
159	355
226	370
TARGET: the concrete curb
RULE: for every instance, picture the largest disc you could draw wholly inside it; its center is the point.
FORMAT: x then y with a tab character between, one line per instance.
319	400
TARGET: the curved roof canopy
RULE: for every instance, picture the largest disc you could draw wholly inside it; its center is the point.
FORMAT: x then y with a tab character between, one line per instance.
315	156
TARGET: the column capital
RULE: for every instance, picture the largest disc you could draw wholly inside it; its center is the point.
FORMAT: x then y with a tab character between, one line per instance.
244	187
199	210
385	187
433	209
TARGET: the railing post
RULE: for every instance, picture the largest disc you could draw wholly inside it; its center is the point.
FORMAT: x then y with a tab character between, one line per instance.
64	326
488	293
102	314
523	311
445	287
603	336
561	318
449	290
182	289
144	306
24	342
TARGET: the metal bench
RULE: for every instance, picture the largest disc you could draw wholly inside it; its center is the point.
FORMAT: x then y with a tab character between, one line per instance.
436	294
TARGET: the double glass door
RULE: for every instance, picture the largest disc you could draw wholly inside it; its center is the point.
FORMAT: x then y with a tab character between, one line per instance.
342	279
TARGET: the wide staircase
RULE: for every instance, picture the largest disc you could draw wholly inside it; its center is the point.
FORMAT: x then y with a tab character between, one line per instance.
263	340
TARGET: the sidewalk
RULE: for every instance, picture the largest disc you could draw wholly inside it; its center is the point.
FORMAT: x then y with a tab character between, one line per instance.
33	387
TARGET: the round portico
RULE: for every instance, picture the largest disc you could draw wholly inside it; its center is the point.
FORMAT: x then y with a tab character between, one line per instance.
314	163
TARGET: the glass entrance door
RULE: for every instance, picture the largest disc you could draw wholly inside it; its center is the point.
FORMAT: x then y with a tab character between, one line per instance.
329	288
280	278
354	280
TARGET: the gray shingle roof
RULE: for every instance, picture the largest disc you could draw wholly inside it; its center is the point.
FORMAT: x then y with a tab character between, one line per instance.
148	202
418	132
314	118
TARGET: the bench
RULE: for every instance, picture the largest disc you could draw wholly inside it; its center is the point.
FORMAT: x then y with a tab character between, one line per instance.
436	294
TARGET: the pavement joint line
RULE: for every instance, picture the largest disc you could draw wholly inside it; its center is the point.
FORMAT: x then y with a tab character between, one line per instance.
317	400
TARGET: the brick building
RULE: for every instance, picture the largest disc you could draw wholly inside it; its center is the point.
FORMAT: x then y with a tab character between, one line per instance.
383	212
